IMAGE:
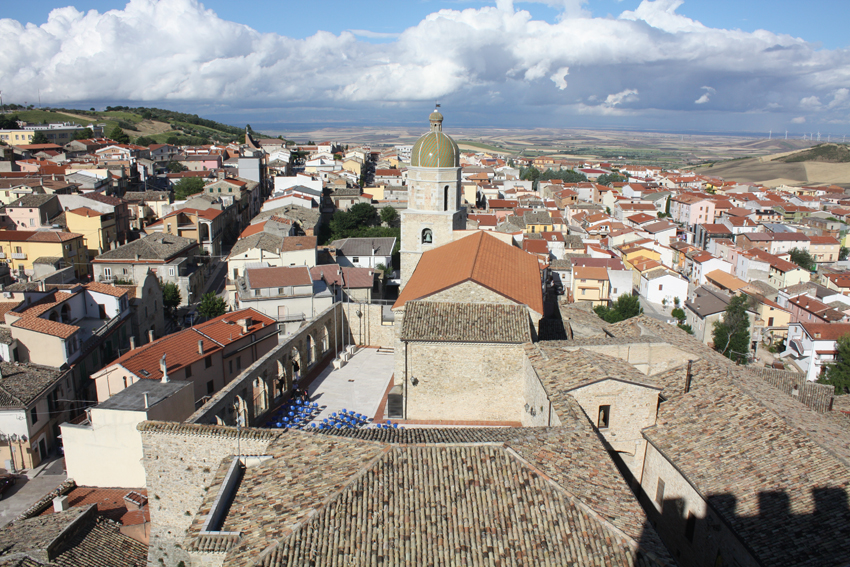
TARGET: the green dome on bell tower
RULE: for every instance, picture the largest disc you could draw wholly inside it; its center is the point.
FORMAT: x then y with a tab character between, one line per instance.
435	149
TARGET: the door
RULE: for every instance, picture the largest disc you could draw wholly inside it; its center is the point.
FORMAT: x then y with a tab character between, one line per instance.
42	449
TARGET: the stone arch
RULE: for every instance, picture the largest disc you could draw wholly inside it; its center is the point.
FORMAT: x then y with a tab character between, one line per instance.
240	411
261	396
311	350
427	236
324	339
283	380
296	366
66	313
54	316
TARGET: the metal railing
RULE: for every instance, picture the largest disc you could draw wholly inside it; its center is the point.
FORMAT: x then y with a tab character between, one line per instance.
19	256
290	317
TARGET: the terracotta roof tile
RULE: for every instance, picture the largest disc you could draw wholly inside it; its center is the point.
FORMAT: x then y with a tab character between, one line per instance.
278	277
480	258
106	289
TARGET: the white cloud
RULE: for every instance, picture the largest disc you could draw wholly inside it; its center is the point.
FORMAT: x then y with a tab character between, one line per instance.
810	103
706	96
798	120
628	95
177	51
560	77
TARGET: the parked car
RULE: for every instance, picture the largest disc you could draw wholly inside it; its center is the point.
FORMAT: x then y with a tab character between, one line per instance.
7	481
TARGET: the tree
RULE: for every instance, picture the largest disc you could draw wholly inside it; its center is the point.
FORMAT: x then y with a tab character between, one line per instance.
119	135
609	178
9	122
838	372
803	259
686	328
175	167
626	307
188	186
679	314
732	335
39	138
212	305
84	134
389	215
843	253
364	214
145	141
171	297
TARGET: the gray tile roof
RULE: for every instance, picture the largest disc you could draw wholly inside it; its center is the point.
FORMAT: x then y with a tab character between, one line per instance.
551	360
23	383
32	200
365	246
307	218
158	246
274	243
146	196
465	322
377	503
76	537
708	301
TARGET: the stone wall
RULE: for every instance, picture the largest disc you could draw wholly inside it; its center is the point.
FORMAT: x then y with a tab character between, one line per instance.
368	328
816	396
632	407
180	463
711	536
270	379
459	381
649	358
538	410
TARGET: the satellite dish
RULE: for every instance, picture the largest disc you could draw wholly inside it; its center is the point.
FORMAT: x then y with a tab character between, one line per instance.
23	439
3	437
13	437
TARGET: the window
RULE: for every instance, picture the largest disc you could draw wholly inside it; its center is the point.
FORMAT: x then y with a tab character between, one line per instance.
34	414
427	236
280	291
170	271
208	361
355	259
604	415
659	494
238	363
583	291
210	387
107	272
256	293
32	222
660	287
690	526
18	250
189	371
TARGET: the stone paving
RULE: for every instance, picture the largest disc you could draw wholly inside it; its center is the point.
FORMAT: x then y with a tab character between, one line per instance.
358	386
30	487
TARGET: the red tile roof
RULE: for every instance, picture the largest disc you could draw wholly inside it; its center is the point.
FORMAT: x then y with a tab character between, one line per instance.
827	331
106	289
86	212
279	276
480	258
110	503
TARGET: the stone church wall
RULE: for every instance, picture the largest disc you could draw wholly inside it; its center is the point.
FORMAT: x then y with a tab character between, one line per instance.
369	328
649	358
632	407
538	410
469	382
180	464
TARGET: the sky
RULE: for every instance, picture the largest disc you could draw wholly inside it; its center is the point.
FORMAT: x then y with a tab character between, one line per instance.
693	65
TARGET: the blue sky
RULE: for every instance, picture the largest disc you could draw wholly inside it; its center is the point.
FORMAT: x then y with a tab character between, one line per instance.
656	64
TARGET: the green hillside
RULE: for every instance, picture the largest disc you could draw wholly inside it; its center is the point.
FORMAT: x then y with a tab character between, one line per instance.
830	153
156	124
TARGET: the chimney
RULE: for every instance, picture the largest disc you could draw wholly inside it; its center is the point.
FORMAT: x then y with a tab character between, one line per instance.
150	336
164	368
245	324
137	257
132	342
200	347
60	503
147	402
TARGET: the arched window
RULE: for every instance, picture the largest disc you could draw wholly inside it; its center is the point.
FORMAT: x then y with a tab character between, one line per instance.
446	198
427	236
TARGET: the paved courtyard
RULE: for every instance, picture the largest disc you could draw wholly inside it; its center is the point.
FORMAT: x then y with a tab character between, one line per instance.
31	486
358	386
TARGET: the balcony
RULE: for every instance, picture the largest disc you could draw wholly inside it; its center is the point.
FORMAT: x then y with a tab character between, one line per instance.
290	317
2	255
19	256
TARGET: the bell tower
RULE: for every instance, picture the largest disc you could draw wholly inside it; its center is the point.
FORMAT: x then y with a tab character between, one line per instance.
433	196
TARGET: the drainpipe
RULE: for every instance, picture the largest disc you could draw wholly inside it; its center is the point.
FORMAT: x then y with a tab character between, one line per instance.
405	379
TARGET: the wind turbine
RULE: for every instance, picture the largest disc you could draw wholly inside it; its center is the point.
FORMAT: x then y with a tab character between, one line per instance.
786	134
770	135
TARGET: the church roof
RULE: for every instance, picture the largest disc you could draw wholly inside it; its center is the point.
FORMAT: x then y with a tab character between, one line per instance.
480	258
435	149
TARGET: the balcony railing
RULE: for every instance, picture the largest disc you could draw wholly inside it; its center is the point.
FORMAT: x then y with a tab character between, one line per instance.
19	256
2	255
290	317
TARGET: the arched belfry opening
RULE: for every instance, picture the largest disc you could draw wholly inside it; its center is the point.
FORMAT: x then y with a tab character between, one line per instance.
446	198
